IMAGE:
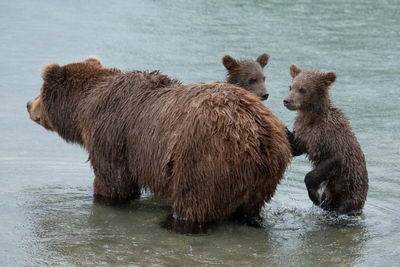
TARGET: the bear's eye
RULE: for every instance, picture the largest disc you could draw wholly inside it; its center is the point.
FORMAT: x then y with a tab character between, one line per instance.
290	87
252	80
302	91
264	79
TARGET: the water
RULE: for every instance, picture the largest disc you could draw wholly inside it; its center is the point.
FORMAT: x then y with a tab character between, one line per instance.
47	213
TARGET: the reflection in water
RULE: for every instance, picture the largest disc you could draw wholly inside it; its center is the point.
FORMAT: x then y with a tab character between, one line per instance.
67	228
312	236
342	242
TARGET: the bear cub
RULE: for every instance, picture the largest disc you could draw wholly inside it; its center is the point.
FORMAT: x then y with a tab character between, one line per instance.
248	74
339	179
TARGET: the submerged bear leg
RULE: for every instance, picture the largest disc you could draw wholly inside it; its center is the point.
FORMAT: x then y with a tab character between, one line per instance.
248	214
189	217
323	172
113	181
347	206
184	226
99	189
107	195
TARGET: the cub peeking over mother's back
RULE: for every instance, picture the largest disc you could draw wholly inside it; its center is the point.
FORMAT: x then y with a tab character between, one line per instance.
324	134
247	74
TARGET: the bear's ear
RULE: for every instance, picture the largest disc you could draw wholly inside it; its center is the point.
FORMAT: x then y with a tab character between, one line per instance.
328	78
263	60
93	60
294	70
51	72
229	62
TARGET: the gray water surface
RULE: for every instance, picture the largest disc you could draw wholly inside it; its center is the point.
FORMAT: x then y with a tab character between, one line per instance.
46	208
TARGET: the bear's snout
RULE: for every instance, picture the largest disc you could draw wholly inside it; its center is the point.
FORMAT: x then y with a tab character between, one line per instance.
286	102
264	96
289	104
33	108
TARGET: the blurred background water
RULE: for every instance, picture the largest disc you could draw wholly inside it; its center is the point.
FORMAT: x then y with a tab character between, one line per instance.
47	216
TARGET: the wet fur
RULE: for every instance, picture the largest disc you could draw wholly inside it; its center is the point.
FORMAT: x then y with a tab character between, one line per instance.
324	134
214	149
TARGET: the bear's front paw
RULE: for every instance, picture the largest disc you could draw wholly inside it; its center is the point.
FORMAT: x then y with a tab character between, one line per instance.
173	223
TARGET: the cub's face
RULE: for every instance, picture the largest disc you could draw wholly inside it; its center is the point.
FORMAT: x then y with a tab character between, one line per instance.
252	79
307	88
248	74
300	91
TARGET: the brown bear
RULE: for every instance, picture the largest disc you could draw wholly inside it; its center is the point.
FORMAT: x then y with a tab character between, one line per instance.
247	74
339	179
214	148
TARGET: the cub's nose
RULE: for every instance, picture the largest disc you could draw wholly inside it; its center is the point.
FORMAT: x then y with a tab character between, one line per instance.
28	105
265	96
285	102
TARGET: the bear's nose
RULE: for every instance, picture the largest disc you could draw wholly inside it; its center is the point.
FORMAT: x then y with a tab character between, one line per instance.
285	102
28	105
265	96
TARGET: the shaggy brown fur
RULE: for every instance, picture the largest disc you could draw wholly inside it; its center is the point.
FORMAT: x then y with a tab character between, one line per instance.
324	133
214	149
247	74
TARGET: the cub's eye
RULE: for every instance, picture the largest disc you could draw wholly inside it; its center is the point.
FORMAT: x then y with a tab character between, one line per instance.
302	91
252	80
290	87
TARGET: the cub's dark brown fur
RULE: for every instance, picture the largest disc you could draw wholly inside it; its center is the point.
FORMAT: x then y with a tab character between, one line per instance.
214	149
324	134
247	74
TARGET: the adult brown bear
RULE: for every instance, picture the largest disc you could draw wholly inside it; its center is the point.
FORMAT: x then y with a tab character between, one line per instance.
214	149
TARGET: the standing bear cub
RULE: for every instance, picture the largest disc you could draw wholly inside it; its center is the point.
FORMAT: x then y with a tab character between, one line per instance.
339	179
214	149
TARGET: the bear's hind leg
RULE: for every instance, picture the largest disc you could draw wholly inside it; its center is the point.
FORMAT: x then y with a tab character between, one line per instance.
348	207
192	215
313	180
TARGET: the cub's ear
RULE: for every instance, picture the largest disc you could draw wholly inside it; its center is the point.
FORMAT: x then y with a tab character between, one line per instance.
263	60
229	62
328	78
52	72
93	60
294	70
